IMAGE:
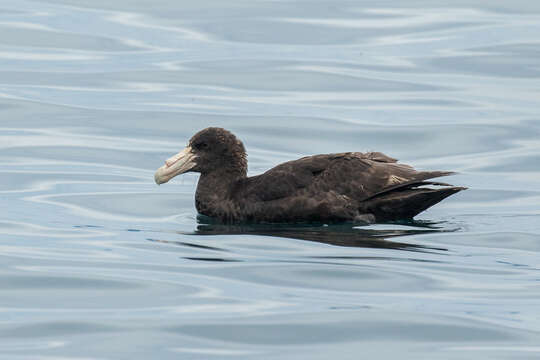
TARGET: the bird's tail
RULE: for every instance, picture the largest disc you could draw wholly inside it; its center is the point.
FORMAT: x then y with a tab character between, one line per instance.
407	202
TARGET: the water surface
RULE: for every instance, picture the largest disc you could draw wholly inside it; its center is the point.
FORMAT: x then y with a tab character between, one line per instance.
97	262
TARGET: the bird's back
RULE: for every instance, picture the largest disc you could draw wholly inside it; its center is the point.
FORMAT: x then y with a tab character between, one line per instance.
329	187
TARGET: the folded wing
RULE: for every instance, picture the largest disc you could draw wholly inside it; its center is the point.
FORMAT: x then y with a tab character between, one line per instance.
359	176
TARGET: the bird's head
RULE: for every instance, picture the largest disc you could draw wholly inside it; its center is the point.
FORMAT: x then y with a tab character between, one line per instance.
209	150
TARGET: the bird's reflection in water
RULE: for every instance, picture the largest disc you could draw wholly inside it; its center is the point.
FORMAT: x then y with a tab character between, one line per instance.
348	235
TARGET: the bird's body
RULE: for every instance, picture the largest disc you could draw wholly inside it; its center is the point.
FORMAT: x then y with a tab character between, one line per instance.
353	186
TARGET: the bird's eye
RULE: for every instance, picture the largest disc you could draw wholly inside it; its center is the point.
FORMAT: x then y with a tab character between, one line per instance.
201	146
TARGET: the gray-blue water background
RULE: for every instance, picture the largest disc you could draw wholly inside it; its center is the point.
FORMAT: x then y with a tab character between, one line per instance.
97	262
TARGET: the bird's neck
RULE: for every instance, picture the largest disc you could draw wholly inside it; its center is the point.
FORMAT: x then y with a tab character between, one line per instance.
215	188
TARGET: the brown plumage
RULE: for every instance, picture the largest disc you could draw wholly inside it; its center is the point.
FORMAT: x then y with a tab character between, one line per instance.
353	186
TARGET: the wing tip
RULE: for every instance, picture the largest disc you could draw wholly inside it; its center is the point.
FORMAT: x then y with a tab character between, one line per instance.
446	173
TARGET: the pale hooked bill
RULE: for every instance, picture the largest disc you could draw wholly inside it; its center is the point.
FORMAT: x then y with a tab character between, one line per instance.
176	165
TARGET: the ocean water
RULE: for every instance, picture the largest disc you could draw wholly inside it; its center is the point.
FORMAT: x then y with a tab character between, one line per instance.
98	262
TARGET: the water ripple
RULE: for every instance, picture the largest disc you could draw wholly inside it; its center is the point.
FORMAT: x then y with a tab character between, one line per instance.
95	95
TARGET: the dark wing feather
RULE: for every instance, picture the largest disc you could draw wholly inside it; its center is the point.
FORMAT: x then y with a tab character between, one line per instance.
380	157
284	180
359	176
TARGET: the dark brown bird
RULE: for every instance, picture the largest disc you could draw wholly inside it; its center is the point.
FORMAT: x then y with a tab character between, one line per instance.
353	186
